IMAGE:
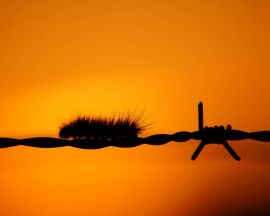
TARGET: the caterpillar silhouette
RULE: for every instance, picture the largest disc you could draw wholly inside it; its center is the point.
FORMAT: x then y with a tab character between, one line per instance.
105	128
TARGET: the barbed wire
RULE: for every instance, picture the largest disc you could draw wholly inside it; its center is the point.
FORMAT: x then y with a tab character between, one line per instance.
207	135
50	142
211	135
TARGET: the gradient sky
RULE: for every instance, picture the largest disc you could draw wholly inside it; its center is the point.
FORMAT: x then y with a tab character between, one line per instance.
62	58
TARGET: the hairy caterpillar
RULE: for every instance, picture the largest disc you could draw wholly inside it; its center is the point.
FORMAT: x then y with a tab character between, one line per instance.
98	127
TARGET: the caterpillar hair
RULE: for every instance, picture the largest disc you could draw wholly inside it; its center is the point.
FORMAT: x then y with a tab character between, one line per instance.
98	127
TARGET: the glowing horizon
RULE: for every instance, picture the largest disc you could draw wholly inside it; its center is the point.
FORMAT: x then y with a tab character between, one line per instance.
64	58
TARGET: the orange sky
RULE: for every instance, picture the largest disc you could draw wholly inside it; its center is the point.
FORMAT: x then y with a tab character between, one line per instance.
63	58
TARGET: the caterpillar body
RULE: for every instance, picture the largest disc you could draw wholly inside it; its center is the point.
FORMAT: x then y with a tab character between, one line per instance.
105	128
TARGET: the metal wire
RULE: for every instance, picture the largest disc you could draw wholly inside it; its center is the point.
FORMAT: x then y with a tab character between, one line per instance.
124	142
207	135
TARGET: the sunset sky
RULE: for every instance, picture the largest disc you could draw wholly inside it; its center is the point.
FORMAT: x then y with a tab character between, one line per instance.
61	58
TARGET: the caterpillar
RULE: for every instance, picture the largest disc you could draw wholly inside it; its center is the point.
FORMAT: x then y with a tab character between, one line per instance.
105	128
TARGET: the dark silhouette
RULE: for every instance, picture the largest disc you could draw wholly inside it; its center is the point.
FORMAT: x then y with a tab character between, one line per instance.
214	135
210	135
200	116
97	127
124	139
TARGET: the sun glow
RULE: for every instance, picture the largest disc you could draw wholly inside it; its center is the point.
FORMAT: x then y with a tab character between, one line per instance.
60	59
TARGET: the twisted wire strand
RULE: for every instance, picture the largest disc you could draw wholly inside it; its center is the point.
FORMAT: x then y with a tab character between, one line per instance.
127	142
